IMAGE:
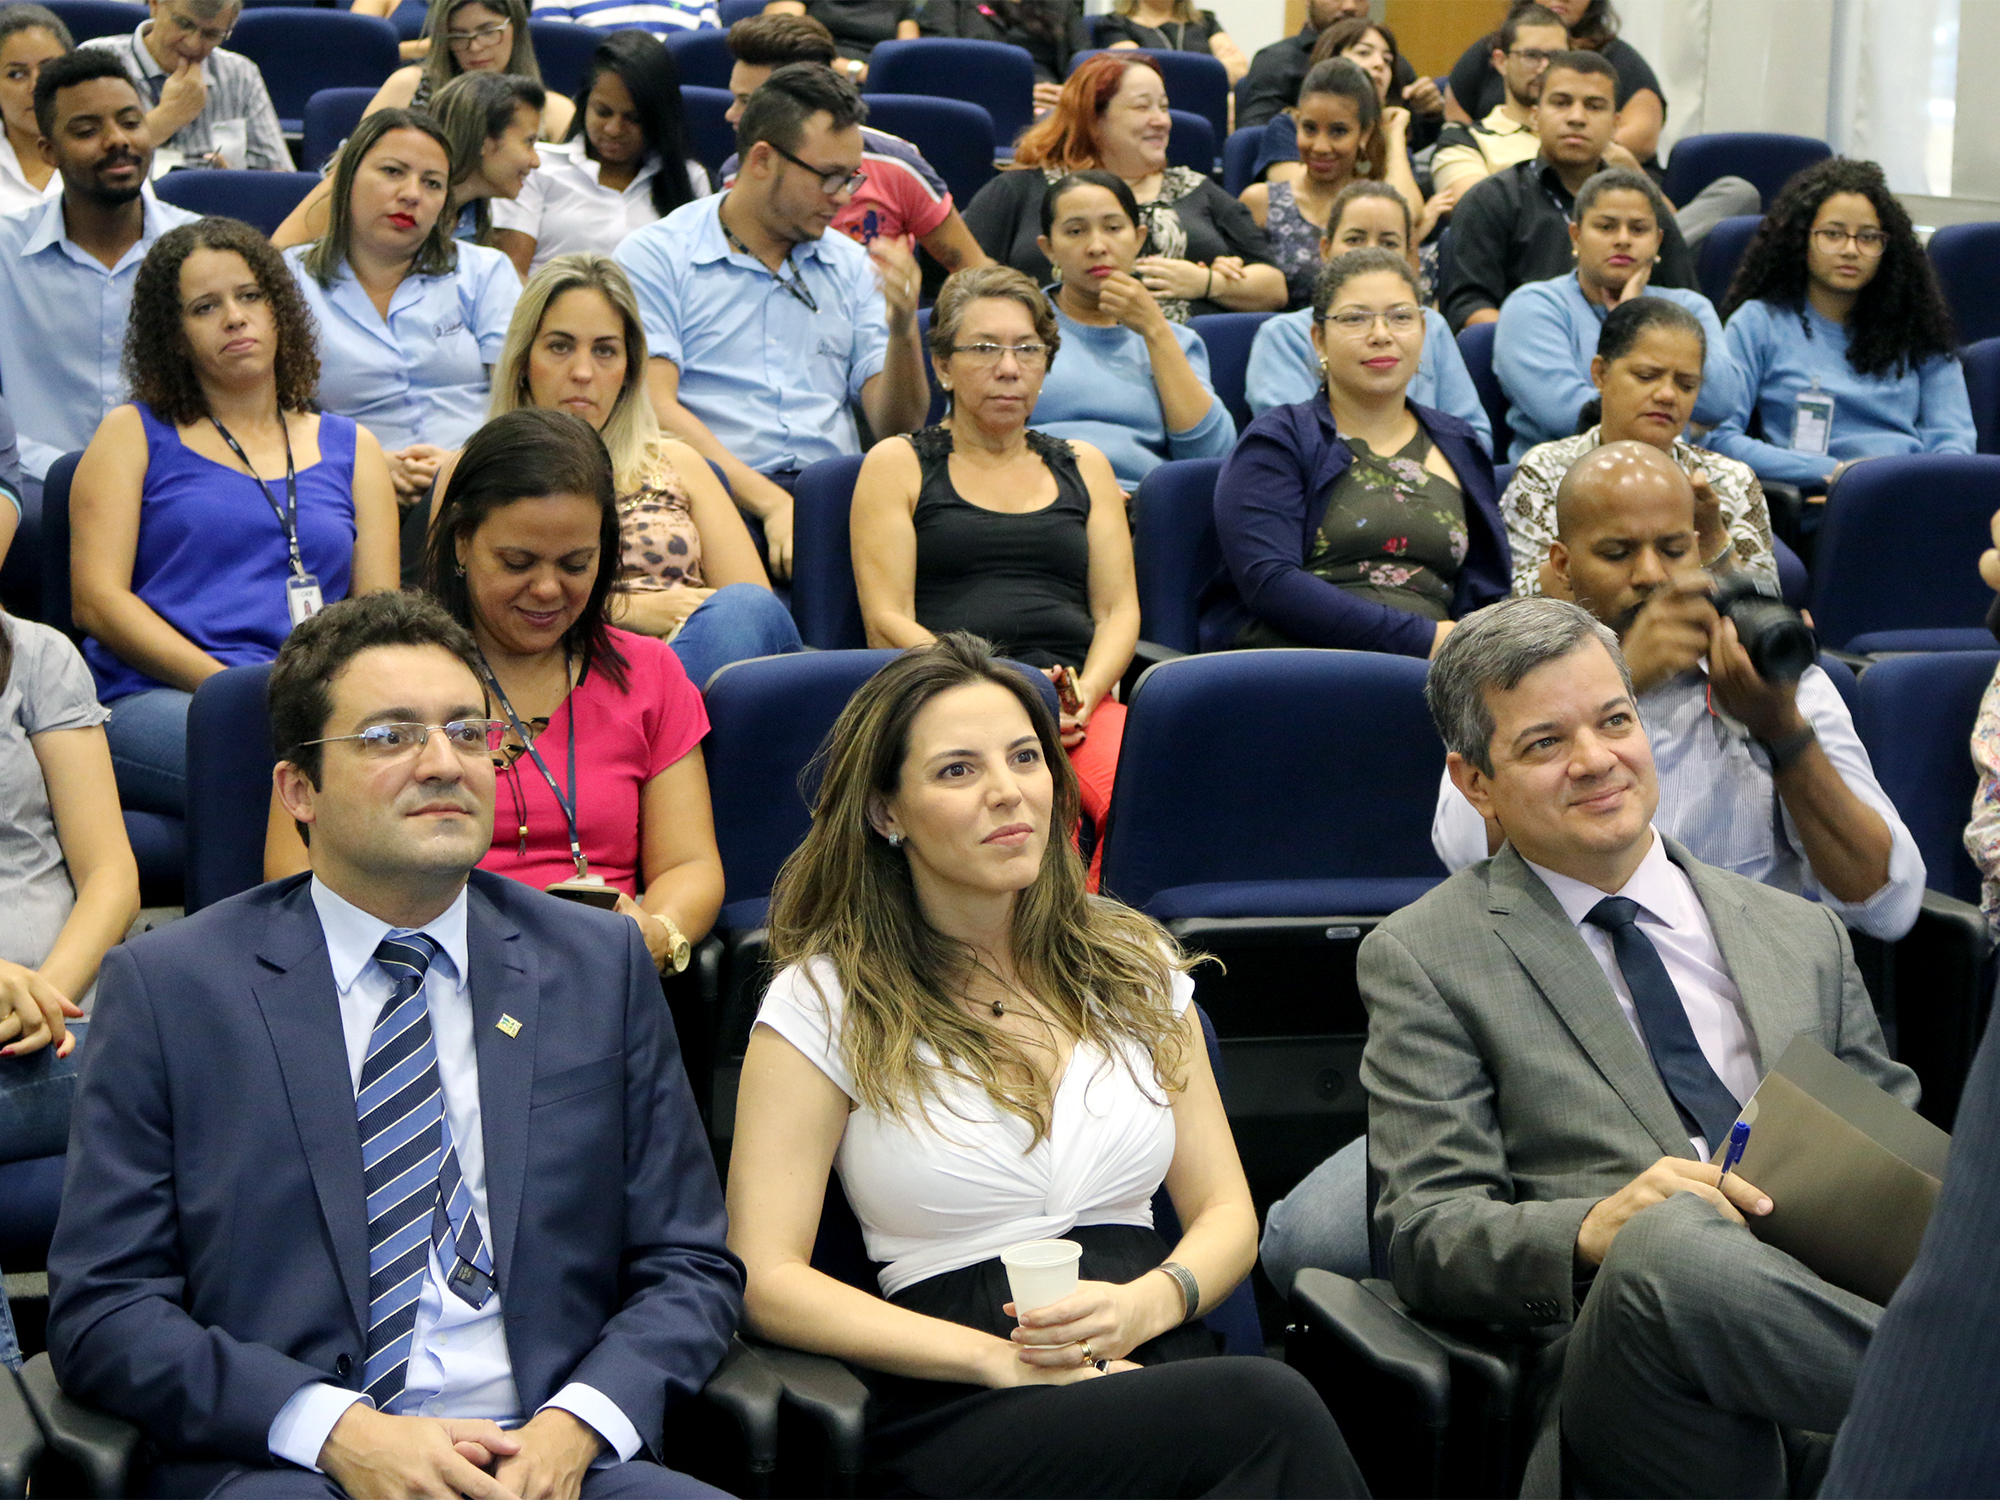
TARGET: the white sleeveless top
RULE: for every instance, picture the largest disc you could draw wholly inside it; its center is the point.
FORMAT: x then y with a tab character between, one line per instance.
960	1184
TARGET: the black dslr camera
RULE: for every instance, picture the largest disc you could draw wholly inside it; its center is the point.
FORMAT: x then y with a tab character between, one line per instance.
1780	643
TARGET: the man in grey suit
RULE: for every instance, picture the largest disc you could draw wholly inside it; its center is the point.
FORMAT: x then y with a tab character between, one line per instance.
1559	1037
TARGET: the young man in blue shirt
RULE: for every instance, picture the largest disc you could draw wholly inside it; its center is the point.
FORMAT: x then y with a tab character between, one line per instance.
763	328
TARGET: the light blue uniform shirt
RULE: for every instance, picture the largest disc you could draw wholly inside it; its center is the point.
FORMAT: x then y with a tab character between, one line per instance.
459	1365
771	378
1718	798
1285	370
62	327
420	377
1780	354
1546	339
1100	390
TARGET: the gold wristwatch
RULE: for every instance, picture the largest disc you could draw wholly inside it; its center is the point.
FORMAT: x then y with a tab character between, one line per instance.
679	950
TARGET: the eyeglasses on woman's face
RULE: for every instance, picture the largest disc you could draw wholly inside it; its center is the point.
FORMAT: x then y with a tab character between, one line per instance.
480	39
1832	238
1355	322
1029	355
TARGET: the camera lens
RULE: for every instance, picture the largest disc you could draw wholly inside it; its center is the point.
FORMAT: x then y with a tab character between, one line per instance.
1780	643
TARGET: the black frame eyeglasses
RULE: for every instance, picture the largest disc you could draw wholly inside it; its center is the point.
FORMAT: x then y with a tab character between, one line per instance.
832	183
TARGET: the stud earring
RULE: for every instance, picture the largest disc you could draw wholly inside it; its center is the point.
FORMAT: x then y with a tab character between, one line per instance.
895	840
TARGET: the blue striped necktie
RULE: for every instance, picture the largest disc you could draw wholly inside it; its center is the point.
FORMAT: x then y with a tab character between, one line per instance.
416	1198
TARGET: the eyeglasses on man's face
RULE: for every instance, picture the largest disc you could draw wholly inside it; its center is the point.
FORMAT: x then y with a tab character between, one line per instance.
472	738
1534	57
186	25
833	181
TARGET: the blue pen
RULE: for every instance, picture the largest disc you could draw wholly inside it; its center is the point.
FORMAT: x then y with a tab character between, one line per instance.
1739	1137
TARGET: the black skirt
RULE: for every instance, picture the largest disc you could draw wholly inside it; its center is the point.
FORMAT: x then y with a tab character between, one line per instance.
1190	1423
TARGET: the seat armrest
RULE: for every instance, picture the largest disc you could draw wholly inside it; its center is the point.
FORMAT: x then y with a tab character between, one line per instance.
1145	654
21	1441
101	1446
1384	1337
829	1393
745	1387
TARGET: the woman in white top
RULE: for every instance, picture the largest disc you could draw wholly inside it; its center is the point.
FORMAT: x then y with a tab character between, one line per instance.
606	179
29	37
985	1054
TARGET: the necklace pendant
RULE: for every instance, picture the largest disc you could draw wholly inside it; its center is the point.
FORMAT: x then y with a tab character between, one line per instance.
524	840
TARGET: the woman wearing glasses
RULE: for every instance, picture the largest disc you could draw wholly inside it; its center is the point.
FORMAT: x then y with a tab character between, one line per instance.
1357	520
1134	384
480	36
986	525
1836	305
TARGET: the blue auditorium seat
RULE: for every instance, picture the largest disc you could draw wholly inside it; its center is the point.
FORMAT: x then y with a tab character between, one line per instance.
1239	155
1765	158
300	52
563	50
703	57
711	138
1229	337
229	784
997	77
1174	549
1192	143
260	199
1982	387
1721	253
955	137
87	19
1964	256
1196	82
824	603
330	118
1475	343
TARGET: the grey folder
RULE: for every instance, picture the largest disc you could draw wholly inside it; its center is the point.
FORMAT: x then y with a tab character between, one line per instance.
1851	1174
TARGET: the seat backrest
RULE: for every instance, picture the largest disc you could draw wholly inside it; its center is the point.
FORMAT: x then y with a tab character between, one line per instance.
1981	362
1229	337
300	52
1888	522
1916	720
955	137
1192	143
711	137
1239	155
1174	549
1765	158
1793	582
1313	767
703	57
55	610
563	51
1964	256
1475	344
1722	252
729	12
824	603
228	785
993	75
94	18
1841	675
330	118
260	199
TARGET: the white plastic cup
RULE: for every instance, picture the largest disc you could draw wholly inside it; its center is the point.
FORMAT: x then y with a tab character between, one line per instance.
1040	1272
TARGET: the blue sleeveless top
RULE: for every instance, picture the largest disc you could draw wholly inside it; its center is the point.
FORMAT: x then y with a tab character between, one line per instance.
211	559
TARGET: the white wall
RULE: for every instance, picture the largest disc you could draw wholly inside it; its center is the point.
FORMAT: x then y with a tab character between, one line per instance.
1250	23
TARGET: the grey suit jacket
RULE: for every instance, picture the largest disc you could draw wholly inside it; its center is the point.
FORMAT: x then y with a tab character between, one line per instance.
1507	1093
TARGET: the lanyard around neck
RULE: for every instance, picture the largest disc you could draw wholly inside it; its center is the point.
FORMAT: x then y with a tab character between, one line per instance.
287	514
796	284
568	803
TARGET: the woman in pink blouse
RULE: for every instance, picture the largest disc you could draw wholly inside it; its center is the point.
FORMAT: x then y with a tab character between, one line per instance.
606	784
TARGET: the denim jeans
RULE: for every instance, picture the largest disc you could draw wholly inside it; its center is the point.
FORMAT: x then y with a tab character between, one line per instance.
734	624
1322	1222
35	1095
148	735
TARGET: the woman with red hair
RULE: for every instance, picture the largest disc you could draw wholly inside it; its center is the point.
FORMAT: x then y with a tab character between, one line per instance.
1204	253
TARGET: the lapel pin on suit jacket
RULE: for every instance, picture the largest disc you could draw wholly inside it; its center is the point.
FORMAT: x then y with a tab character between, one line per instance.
508	1025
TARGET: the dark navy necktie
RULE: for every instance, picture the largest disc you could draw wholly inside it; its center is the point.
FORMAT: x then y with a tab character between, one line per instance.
1706	1106
416	1197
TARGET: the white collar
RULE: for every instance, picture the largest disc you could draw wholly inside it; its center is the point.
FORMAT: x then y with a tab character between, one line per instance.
1658	886
353	935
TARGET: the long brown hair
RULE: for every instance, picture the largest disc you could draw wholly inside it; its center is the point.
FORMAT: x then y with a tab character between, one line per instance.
1101	970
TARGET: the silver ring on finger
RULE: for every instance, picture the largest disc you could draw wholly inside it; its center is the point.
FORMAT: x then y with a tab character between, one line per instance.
1088	1357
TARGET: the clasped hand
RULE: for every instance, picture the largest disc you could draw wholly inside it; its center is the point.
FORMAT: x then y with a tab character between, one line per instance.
32	1012
370	1454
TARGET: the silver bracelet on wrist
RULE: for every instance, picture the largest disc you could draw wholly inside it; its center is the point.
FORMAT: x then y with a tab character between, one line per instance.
1190	1288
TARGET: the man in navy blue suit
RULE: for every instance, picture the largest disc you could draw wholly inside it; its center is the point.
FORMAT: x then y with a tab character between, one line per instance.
387	1180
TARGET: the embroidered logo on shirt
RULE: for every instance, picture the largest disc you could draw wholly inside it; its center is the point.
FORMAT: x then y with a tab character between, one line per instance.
447	328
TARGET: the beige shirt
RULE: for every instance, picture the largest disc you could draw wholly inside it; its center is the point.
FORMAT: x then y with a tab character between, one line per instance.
1497	142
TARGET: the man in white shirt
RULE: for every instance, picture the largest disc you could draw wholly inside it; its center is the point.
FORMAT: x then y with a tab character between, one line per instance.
390	1173
1559	1038
1768	779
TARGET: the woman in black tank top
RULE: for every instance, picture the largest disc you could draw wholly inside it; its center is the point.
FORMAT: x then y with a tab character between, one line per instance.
981	524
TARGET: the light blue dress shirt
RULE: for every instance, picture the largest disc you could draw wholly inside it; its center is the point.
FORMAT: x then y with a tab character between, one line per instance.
1100	390
1780	354
1717	798
1285	370
771	378
1546	339
62	327
459	1365
420	376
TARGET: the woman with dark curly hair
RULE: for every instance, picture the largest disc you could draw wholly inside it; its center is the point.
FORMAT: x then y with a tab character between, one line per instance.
220	507
1843	338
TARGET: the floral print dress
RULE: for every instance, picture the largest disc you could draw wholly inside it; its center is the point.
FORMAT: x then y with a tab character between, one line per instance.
1394	532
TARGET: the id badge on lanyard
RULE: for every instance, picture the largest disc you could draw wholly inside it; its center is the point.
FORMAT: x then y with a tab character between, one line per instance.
1812	422
302	598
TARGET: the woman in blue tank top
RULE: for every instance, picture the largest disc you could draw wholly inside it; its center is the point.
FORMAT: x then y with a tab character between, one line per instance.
219	506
